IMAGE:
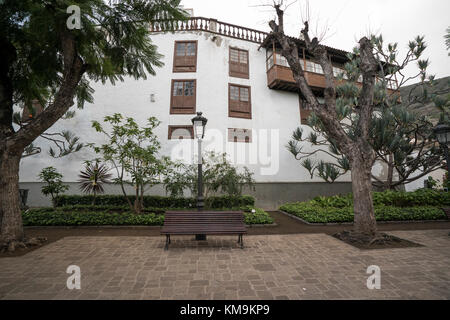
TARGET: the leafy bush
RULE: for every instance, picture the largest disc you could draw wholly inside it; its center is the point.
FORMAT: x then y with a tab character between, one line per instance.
219	176
78	218
155	201
334	201
54	185
322	214
421	197
258	217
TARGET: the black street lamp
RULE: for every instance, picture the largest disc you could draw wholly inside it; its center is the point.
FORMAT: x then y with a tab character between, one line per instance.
199	124
442	132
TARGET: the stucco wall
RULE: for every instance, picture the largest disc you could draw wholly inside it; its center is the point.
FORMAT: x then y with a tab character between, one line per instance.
275	114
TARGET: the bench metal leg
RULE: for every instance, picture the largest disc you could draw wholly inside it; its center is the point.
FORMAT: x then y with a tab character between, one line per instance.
167	242
241	241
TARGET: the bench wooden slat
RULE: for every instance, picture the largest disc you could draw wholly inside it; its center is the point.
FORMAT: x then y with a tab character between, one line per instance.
204	222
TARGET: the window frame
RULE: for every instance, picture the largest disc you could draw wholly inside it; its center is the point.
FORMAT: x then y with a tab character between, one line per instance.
176	69
182	110
172	128
234	73
249	136
239	114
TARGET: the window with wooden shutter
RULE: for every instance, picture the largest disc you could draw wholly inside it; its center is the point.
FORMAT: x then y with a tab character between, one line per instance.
238	63
185	56
183	96
239	135
181	132
239	101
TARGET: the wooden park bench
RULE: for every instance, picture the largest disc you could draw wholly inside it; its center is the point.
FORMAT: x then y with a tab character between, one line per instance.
204	222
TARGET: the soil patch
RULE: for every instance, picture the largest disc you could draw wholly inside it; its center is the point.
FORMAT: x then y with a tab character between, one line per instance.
382	241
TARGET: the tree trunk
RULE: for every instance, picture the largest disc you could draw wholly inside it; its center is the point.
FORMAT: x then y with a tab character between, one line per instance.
11	228
364	215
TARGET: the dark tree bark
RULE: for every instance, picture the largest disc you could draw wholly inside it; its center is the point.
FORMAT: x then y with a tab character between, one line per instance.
358	150
13	143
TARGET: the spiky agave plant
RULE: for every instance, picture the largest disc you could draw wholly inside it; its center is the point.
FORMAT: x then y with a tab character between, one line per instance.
93	177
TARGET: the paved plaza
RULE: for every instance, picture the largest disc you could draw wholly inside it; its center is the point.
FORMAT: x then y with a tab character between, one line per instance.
297	266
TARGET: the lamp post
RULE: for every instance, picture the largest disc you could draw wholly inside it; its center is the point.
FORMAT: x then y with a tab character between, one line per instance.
442	132
199	123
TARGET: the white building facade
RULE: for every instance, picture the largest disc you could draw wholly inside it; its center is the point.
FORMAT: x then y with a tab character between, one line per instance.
223	71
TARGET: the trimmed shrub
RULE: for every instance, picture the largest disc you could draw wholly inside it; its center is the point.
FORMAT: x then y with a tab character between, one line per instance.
421	197
67	218
318	214
83	215
259	217
155	201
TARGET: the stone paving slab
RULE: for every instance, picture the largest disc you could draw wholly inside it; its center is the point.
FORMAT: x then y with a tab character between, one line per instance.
299	266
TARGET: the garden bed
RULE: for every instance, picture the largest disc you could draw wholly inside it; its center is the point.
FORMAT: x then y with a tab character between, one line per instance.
117	216
389	206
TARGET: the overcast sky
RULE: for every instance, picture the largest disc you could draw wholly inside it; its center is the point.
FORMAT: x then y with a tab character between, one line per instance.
347	21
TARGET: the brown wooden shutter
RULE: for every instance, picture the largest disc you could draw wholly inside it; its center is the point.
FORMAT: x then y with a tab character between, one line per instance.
238	62
240	108
183	96
185	56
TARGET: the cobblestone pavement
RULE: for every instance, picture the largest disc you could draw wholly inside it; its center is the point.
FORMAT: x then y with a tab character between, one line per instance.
301	266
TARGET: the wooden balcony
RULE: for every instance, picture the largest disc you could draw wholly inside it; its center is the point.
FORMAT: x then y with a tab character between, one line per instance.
281	78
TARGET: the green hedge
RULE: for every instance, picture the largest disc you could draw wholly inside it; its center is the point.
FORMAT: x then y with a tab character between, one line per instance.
422	197
70	216
155	201
79	218
321	214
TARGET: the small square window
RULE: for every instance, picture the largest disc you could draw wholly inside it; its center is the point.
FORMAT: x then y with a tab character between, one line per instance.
239	135
181	132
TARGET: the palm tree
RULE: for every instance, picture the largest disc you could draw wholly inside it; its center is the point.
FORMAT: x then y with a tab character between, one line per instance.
93	177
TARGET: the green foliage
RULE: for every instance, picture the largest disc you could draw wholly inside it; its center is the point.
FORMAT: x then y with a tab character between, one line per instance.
54	185
93	177
155	201
219	176
259	216
78	215
423	204
318	214
422	197
113	43
78	218
333	201
402	140
133	152
119	200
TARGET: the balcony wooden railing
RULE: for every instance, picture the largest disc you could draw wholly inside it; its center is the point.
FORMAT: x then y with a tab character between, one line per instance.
210	25
281	78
